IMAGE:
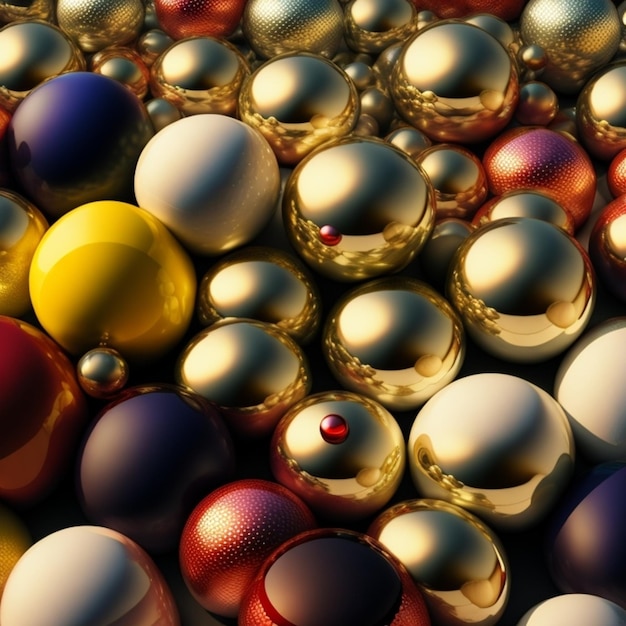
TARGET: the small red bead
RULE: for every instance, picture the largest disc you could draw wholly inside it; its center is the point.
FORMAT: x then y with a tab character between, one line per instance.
329	235
334	428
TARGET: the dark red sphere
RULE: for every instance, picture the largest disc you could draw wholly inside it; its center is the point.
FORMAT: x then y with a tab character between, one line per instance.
506	10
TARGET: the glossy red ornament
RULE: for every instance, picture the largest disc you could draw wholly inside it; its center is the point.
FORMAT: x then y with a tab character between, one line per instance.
42	412
333	577
192	18
543	160
616	174
506	10
229	535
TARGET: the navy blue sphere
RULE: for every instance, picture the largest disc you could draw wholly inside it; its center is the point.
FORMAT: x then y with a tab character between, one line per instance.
148	458
76	138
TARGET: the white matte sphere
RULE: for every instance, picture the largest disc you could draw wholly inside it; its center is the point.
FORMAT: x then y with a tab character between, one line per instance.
211	179
575	609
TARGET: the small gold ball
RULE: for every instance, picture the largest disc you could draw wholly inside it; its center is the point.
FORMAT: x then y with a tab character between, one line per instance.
124	65
151	44
410	140
102	372
162	112
17	10
538	104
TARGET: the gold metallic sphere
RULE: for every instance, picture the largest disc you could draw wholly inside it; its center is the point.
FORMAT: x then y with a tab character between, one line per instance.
455	82
200	75
266	284
15	539
273	27
124	65
372	25
342	453
299	101
96	24
394	339
524	288
162	112
18	10
495	26
538	104
578	38
409	140
458	178
457	561
102	372
495	445
22	226
151	44
379	105
601	112
358	208
31	52
253	371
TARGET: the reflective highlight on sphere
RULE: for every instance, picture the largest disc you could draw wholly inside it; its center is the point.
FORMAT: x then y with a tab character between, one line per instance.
533	303
373	194
22	226
261	371
458	562
266	284
298	101
505	456
31	52
211	179
578	609
588	385
350	476
455	82
109	273
200	75
395	340
591	28
333	577
102	372
126	588
229	535
273	28
124	65
15	539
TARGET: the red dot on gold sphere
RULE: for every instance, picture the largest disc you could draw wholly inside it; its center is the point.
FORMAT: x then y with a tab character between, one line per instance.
334	428
329	235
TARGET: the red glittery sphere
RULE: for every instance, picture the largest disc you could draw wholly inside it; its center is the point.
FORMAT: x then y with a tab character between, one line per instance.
195	18
444	9
230	533
543	160
616	174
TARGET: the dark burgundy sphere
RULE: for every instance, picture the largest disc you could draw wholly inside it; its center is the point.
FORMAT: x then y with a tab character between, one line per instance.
150	456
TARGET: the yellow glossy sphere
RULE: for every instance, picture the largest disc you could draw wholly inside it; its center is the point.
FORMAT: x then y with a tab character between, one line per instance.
22	226
109	273
14	541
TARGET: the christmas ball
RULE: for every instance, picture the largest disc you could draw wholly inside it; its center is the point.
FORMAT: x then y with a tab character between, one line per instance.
577	609
148	458
15	539
341	452
14	10
509	10
230	533
518	449
124	65
616	174
76	138
211	179
84	575
538	104
39	432
102	372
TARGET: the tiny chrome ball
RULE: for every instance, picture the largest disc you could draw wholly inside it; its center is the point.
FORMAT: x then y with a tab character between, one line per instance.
535	302
616	174
378	104
544	160
358	208
200	75
455	82
30	52
299	101
253	371
341	452
266	284
124	65
494	444
162	112
591	28
457	561
102	372
273	27
458	178
230	533
394	339
538	104
577	609
94	25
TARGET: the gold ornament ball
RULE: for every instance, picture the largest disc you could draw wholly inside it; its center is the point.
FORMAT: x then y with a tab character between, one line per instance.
524	288
162	112
151	44
102	372
124	65
15	539
22	226
409	140
495	445
18	10
266	284
578	38
455	82
200	75
273	27
394	339
253	371
358	208
299	101
342	453
538	104
96	24
460	565
30	52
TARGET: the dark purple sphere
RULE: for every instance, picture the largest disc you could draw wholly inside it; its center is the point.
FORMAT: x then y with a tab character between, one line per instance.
149	457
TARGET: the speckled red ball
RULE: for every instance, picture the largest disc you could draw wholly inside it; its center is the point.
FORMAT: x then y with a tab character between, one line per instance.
616	174
444	9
